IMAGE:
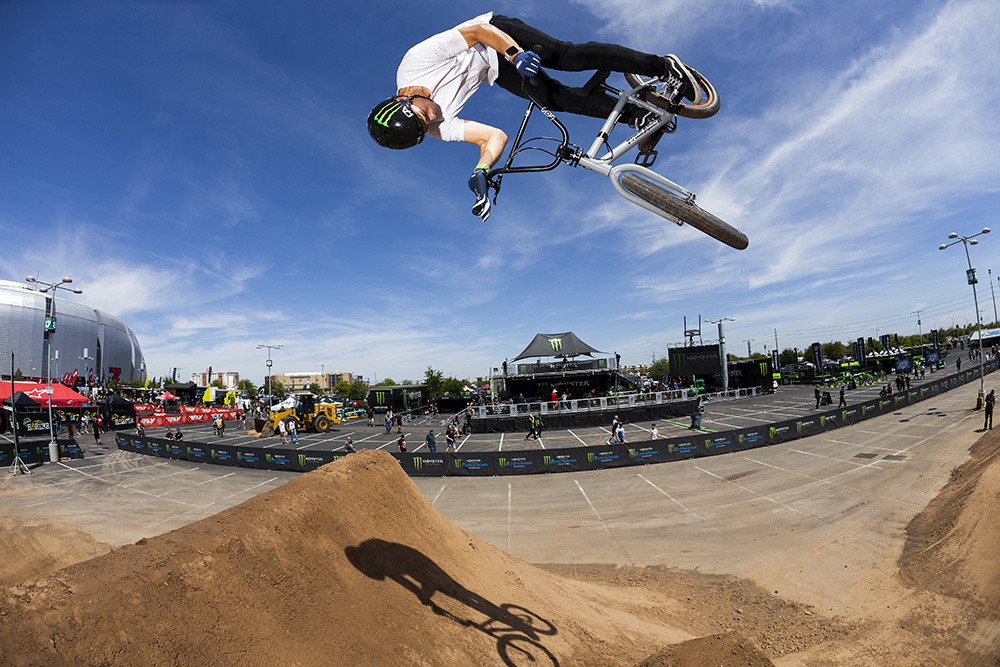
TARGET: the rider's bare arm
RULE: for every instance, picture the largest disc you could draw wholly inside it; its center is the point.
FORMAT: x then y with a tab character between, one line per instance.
491	141
493	37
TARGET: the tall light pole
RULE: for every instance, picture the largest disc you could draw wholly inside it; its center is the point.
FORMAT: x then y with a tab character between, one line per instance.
270	397
919	330
971	276
50	329
722	350
994	294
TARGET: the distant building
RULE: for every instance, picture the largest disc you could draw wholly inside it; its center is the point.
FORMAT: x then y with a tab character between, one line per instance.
86	341
302	381
230	379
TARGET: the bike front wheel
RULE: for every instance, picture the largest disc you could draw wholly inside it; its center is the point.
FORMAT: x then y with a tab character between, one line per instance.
709	106
678	208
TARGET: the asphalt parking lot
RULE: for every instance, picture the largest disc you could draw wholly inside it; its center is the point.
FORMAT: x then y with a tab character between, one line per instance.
788	402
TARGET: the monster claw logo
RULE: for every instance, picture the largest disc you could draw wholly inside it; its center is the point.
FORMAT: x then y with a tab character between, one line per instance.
302	460
590	456
670	448
556	344
267	457
822	420
418	462
503	462
631	453
546	459
389	111
740	436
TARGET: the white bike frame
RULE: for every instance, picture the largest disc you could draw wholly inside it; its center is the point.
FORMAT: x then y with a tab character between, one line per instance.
590	159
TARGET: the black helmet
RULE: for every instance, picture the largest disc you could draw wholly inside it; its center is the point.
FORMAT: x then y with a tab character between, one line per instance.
393	124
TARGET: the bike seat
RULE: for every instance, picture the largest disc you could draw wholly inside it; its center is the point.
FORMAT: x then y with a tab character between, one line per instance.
596	81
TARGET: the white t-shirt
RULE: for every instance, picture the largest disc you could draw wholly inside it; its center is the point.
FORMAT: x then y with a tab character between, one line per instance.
452	71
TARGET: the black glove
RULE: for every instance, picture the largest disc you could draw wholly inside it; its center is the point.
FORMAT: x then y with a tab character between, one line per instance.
477	183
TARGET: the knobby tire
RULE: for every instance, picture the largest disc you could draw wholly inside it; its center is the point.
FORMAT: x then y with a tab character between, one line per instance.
708	107
677	207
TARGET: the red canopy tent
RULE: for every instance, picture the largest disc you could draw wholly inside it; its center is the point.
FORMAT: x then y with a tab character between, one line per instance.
62	396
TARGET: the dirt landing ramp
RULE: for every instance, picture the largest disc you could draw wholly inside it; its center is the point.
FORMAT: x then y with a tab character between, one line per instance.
348	565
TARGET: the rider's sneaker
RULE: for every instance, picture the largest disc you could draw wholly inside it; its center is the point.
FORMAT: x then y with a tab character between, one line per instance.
677	71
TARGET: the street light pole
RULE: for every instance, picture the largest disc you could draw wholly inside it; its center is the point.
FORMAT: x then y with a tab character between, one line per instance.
722	350
270	397
919	330
50	329
971	277
994	294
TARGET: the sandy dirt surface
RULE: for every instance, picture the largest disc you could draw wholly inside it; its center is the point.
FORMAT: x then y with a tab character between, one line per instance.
351	564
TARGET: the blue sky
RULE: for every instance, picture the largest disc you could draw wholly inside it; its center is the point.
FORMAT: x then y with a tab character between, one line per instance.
201	169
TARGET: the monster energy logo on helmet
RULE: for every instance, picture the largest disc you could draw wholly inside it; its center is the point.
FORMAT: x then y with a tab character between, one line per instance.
393	124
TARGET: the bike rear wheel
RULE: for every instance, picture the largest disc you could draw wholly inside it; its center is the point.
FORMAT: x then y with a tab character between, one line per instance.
710	104
677	207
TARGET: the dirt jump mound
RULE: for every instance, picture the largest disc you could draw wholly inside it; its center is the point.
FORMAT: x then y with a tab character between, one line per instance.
347	565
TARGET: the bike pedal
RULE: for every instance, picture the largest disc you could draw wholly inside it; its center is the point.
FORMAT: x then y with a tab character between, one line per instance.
646	158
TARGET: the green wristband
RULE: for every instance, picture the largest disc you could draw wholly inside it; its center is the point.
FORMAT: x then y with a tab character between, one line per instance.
484	167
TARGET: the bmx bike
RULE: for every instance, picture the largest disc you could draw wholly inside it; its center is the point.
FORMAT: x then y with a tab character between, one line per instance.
635	182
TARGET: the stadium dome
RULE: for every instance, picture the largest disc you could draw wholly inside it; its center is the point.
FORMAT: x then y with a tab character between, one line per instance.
85	338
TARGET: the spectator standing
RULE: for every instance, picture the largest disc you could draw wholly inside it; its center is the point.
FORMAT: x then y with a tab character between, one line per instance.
178	436
401	443
349	446
531	427
843	399
653	433
282	430
450	438
988	408
169	435
818	396
431	441
293	431
388	421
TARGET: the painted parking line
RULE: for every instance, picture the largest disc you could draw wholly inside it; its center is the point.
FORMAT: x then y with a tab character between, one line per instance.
207	481
760	495
603	523
687	426
233	495
122	486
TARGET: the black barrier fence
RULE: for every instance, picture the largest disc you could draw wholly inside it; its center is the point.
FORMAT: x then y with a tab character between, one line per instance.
635	414
440	464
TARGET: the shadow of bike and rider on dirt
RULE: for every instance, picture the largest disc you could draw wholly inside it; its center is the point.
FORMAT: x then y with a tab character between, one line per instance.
518	630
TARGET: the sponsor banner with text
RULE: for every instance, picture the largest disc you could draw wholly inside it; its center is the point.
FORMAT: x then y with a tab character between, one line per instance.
428	464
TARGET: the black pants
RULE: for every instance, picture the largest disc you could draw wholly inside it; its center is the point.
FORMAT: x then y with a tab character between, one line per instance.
570	57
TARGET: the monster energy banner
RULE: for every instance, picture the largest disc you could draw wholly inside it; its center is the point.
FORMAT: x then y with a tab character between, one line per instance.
817	357
424	464
694	444
29	453
695	360
861	356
